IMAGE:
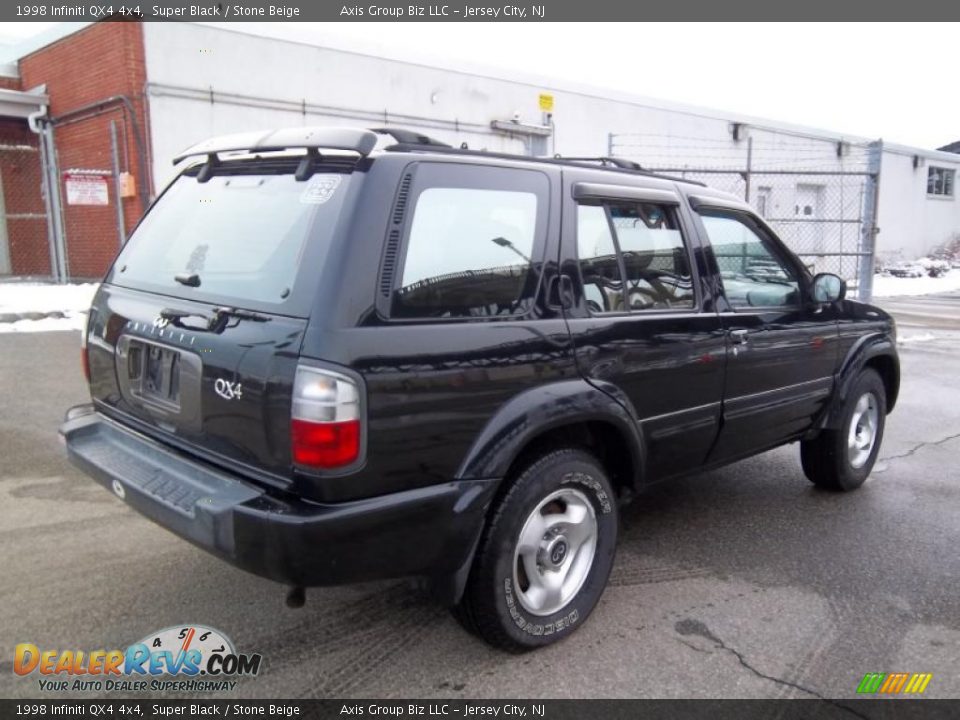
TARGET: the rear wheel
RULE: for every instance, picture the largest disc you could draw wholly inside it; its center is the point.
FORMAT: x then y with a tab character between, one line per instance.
546	554
842	458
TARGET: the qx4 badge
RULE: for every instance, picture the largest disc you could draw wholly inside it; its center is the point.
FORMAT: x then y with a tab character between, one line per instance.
228	390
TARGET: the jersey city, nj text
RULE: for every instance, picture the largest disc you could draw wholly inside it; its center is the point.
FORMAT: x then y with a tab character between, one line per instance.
514	12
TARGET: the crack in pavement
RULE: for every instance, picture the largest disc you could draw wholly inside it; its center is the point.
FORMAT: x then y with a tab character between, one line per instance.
919	447
695	627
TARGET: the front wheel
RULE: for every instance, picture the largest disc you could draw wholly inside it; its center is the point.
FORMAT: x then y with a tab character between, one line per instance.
546	554
842	458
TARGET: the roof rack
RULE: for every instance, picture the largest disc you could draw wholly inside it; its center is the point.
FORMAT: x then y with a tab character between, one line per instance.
362	142
621	163
608	163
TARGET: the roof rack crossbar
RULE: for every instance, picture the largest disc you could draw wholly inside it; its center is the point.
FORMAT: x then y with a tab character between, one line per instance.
621	163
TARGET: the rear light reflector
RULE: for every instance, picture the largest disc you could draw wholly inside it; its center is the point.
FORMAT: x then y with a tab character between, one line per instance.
325	445
325	426
84	355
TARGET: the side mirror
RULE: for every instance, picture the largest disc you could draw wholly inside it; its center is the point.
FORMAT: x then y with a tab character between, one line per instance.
828	288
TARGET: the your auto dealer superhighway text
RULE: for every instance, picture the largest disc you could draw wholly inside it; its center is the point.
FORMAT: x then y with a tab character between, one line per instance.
439	709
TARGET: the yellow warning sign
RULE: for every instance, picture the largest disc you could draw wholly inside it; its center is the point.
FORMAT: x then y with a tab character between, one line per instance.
546	102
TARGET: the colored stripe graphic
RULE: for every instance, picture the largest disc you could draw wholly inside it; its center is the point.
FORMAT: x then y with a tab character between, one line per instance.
894	683
871	682
918	683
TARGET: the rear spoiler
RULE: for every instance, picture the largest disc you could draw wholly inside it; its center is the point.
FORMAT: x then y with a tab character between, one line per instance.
355	140
311	139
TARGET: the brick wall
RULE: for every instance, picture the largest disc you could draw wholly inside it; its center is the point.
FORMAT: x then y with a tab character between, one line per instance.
99	62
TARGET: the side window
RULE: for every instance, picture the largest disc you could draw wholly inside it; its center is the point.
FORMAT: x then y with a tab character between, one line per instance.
599	264
468	254
752	274
632	258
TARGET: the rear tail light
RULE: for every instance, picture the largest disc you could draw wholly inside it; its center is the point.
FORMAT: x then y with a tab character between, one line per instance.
84	355
325	427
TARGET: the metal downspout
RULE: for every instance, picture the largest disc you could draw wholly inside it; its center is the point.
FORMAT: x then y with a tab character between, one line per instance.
40	125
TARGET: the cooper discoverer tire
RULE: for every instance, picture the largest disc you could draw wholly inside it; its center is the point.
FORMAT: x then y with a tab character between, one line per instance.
545	555
842	458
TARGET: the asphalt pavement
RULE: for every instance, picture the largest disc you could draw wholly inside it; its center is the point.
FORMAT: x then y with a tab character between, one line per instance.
742	582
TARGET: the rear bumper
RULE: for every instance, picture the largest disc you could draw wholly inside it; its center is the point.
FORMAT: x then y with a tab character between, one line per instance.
428	531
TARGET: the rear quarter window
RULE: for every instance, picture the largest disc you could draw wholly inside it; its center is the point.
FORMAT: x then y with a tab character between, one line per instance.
471	245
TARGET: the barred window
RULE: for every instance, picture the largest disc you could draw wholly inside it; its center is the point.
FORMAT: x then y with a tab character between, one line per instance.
940	181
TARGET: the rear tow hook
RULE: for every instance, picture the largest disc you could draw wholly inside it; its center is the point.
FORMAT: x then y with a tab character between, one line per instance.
296	598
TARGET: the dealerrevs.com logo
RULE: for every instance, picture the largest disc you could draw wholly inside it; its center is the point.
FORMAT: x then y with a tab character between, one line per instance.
894	683
186	658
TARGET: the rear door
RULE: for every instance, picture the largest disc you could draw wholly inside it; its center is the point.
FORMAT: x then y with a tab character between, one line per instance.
782	348
195	334
641	323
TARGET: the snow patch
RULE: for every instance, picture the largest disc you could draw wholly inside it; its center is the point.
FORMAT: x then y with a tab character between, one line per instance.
921	338
73	301
888	286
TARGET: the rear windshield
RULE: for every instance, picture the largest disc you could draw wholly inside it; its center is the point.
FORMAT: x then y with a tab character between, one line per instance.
237	239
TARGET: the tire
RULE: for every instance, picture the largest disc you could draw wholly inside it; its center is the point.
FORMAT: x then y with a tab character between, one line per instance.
500	603
838	459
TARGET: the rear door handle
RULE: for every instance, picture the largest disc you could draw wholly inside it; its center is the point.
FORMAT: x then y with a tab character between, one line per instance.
740	337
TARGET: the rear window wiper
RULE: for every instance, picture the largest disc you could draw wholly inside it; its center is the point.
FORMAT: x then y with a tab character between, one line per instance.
222	315
190	280
216	323
175	318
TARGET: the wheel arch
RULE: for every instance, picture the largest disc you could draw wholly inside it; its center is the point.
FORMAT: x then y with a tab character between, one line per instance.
570	413
876	351
567	413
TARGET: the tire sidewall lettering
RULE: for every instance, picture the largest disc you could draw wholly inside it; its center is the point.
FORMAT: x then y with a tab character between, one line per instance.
534	628
571	615
588	481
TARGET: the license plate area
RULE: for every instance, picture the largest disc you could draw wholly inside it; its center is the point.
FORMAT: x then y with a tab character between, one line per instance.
161	381
153	372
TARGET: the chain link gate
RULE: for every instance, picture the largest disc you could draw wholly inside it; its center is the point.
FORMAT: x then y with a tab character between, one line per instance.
820	196
23	220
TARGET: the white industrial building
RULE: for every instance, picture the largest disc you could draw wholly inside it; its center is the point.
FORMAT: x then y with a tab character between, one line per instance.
814	185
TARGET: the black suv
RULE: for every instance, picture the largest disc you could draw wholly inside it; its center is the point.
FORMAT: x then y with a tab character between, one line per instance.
326	362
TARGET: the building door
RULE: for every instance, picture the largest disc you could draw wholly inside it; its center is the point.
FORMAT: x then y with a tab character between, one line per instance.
808	211
763	201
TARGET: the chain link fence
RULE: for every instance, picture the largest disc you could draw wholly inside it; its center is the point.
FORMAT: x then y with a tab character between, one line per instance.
24	247
818	195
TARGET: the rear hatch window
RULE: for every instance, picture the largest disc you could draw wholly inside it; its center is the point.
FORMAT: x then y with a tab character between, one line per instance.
236	239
